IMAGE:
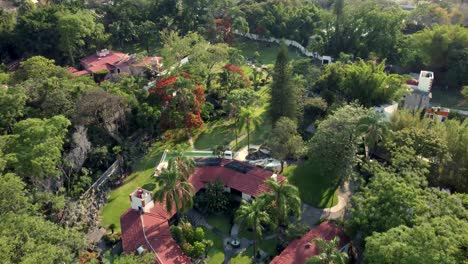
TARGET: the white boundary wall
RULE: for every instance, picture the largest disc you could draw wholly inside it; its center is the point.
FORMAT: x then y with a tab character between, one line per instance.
288	42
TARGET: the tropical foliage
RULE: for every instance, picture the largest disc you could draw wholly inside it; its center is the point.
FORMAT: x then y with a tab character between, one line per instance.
253	215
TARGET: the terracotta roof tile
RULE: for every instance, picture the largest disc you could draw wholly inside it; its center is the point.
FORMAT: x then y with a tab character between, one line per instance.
300	250
251	183
156	226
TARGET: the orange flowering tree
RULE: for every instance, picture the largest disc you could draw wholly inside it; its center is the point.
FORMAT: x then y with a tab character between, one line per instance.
233	77
182	101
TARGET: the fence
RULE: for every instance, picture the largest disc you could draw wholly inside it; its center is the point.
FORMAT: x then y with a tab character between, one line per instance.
288	42
103	178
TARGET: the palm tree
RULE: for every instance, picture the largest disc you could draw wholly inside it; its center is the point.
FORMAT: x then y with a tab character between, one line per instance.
373	128
252	215
329	252
284	199
181	163
174	190
247	119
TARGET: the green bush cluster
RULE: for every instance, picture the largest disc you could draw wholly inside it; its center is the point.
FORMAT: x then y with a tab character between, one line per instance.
192	240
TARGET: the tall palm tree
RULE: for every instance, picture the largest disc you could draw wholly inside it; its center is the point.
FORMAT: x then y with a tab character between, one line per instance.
181	163
373	128
284	199
329	252
254	216
174	190
247	119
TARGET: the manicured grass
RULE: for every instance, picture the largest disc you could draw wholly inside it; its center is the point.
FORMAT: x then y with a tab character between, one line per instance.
220	222
243	232
448	98
316	189
221	132
142	176
243	258
215	133
216	253
268	246
267	51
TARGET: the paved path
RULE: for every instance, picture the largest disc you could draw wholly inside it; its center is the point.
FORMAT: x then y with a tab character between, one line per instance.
235	230
311	215
241	154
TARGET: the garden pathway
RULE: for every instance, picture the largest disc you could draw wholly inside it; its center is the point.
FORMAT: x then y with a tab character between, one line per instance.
235	230
311	215
241	154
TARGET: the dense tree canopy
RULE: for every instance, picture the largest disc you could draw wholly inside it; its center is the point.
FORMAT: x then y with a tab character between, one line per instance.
441	240
366	82
35	147
335	143
441	49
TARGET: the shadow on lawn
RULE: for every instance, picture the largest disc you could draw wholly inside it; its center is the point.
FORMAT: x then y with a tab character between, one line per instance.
221	134
149	186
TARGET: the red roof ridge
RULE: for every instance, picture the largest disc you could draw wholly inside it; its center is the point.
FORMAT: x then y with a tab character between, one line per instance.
299	250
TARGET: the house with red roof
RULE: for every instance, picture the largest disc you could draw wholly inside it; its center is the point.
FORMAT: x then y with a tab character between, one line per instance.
145	226
439	113
303	248
116	62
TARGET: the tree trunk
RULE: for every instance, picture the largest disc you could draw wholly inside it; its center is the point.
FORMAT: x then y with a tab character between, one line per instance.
248	137
282	166
72	59
255	246
366	150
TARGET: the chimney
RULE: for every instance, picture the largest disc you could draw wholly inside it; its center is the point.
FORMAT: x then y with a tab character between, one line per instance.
102	53
425	81
141	200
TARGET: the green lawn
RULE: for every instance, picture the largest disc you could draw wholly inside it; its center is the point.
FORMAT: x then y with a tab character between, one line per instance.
316	189
267	51
216	253
243	258
448	98
215	133
220	222
142	176
221	132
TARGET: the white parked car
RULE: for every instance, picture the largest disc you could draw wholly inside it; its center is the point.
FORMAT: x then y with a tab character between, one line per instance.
228	155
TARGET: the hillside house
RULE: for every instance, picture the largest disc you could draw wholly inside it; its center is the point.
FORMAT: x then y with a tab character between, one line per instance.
115	62
420	92
439	113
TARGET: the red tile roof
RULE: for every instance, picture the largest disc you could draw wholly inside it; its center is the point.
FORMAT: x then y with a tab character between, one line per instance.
94	63
299	250
251	183
154	224
76	72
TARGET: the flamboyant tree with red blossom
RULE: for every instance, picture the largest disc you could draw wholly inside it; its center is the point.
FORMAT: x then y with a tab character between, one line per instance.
182	101
233	77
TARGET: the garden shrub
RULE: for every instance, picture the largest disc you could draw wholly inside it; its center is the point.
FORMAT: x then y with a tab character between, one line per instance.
216	199
192	241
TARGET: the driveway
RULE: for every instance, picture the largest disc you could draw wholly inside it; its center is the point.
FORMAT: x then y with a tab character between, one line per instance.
311	215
